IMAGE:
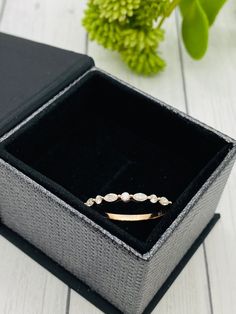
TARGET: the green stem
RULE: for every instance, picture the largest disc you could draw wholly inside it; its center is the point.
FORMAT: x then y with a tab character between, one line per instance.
173	5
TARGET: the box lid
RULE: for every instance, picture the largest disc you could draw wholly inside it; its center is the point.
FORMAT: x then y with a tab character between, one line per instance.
30	74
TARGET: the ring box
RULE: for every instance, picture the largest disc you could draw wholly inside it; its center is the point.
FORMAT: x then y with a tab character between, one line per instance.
71	131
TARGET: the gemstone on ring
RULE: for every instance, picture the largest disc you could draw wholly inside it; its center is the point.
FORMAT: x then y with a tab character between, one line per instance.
140	197
111	197
98	199
164	201
125	197
90	202
153	198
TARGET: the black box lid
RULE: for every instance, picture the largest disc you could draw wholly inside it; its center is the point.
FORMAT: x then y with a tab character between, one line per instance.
30	74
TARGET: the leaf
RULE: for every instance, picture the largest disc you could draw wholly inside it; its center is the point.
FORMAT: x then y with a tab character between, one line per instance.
185	5
212	8
195	28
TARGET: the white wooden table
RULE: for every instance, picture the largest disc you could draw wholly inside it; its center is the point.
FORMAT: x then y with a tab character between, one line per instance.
206	90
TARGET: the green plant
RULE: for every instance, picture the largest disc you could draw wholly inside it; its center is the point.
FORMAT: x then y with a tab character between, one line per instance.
134	28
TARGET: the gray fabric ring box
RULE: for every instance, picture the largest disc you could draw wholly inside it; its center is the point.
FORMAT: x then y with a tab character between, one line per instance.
82	132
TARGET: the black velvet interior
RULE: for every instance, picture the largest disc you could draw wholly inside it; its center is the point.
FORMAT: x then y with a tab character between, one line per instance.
103	137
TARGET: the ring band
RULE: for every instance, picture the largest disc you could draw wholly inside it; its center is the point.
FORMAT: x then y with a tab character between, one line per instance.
126	197
134	217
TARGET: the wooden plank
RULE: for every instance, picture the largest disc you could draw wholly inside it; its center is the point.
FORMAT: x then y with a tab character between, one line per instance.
25	286
53	22
79	305
1	9
184	295
211	95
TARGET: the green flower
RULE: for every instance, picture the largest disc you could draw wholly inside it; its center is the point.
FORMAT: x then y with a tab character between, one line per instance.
127	26
105	33
141	38
149	11
117	10
146	62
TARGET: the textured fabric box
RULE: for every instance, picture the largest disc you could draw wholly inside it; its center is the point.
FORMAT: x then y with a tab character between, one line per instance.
93	134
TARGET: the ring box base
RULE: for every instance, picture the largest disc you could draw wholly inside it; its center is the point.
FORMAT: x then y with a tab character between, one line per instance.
81	288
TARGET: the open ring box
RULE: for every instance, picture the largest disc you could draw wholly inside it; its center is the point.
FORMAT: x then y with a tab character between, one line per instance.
71	132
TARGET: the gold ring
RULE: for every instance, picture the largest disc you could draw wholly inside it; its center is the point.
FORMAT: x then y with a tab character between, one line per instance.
126	197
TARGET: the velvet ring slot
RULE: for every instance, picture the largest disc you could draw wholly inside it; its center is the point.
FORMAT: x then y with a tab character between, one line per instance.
93	143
